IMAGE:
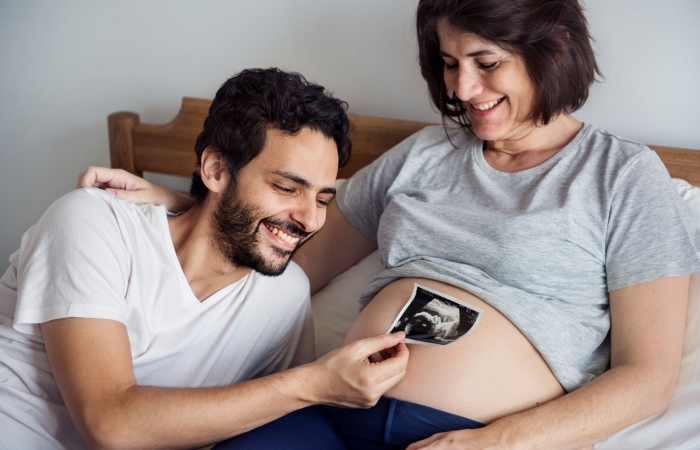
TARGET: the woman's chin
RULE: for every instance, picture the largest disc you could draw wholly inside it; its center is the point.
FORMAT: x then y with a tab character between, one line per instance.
488	132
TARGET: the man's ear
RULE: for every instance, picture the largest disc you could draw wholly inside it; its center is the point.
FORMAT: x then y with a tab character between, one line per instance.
213	171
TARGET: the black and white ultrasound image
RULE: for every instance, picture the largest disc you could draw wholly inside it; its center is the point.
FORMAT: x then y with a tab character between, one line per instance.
433	318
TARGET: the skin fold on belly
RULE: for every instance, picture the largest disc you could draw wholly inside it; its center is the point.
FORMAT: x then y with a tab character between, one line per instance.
492	372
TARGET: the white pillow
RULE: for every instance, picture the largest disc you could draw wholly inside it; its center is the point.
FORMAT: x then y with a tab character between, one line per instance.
678	427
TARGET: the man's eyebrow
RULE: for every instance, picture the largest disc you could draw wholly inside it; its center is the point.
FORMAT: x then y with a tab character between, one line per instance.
472	54
302	181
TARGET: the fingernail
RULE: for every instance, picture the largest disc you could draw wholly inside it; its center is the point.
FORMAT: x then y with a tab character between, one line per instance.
111	192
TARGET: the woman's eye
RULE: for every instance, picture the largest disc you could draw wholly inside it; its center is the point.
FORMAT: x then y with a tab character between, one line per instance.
322	203
489	66
451	66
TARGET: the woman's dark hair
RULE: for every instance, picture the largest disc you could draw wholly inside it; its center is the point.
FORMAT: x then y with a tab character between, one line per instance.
254	100
551	36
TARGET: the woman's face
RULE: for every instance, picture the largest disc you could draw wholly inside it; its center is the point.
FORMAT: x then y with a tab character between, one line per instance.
492	83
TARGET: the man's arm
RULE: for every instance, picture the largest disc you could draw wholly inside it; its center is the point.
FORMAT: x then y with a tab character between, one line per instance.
647	330
91	361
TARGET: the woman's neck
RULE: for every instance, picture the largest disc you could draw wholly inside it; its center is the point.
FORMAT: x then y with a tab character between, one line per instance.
532	147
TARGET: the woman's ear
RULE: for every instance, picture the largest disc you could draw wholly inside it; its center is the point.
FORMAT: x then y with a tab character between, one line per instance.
213	171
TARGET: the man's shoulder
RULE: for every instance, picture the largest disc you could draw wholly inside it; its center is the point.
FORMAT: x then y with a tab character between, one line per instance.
90	201
91	207
87	218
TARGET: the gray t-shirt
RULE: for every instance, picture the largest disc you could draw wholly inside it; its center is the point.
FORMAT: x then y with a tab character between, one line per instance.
544	245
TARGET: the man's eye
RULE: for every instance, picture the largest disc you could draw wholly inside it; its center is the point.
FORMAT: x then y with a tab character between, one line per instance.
323	202
284	189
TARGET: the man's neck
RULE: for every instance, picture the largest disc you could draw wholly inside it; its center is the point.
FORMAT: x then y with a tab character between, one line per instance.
206	269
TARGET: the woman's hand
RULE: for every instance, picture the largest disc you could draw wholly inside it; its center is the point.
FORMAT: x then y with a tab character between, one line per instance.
132	188
479	439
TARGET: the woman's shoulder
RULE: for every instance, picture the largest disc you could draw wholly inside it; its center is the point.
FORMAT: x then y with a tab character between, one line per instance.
611	155
435	142
598	139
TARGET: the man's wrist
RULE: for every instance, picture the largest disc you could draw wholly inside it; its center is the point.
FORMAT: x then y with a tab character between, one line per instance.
300	385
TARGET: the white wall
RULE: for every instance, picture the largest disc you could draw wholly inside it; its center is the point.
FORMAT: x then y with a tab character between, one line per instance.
64	66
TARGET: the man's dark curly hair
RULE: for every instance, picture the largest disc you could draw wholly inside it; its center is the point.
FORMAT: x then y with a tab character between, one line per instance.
254	100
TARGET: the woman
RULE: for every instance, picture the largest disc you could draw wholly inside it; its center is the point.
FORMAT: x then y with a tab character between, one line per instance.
572	242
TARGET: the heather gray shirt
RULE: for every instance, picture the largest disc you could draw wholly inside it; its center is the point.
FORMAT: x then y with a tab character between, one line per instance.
544	246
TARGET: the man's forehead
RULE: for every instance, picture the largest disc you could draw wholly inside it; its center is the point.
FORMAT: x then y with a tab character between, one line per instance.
307	158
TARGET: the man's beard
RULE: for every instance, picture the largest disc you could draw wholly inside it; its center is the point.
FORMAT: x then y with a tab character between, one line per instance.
236	227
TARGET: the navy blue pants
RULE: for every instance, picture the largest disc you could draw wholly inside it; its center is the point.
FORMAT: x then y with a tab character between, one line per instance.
389	425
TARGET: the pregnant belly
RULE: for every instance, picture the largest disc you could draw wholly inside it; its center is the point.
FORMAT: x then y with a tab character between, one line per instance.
492	372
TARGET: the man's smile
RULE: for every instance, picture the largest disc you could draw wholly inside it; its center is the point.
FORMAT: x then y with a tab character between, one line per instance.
285	239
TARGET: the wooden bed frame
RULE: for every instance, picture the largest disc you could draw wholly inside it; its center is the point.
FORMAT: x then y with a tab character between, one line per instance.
138	147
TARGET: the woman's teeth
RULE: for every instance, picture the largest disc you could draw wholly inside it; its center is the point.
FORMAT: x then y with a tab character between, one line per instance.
486	106
282	235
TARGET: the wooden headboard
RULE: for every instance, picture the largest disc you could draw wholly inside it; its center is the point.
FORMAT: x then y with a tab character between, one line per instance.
138	147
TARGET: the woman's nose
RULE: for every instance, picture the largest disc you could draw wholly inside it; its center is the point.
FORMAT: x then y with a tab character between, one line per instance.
468	85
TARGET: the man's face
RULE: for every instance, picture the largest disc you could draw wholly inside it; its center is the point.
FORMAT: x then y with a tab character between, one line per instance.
278	201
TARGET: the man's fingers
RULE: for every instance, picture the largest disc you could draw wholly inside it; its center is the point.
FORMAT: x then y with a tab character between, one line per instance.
392	367
377	357
390	382
375	344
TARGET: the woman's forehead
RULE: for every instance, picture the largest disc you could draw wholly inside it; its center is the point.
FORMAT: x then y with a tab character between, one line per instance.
452	39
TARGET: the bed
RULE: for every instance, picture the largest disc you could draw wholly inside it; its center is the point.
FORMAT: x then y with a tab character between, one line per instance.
168	149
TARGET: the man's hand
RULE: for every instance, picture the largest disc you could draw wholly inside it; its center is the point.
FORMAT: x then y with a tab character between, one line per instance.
132	188
347	377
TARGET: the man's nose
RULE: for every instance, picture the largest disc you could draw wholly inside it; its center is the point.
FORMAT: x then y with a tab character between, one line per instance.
305	214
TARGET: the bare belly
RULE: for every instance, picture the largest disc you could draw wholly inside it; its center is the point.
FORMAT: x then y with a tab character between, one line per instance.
492	372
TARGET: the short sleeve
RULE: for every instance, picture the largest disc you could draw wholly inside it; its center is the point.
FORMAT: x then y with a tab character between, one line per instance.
651	232
72	263
363	198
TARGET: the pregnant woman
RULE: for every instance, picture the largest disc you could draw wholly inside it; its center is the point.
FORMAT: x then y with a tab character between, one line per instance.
572	241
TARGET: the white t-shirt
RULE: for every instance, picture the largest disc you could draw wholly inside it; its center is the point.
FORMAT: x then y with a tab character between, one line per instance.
93	255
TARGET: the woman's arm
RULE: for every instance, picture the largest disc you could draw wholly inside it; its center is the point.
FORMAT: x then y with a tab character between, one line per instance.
647	331
130	187
334	249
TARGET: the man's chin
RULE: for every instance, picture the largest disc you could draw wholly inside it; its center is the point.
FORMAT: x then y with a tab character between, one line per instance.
272	269
275	264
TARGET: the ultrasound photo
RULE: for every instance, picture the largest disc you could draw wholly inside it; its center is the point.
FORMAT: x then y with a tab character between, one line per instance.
432	318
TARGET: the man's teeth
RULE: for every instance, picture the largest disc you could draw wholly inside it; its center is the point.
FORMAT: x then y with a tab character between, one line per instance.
282	235
486	106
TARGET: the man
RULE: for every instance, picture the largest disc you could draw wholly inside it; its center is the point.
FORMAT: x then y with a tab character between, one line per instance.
123	327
